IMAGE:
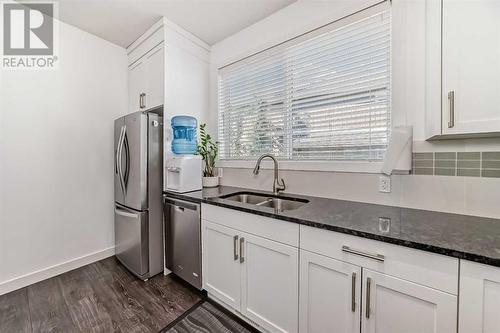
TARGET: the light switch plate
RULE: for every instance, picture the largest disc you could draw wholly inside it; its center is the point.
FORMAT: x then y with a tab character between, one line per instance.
384	184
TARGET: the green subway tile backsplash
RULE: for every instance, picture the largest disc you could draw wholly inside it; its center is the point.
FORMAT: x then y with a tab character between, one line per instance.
423	156
469	172
490	173
469	156
469	164
464	164
445	164
491	164
423	163
491	155
445	156
423	171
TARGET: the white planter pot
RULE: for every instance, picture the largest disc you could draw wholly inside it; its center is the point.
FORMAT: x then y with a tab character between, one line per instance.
210	181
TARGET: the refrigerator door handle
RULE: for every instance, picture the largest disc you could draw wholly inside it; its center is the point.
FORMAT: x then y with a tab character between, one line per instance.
127	159
119	159
117	156
123	212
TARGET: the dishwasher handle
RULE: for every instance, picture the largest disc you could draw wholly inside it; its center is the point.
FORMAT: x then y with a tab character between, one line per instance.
181	205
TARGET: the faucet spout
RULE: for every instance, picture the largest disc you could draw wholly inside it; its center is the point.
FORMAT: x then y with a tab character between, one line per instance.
278	184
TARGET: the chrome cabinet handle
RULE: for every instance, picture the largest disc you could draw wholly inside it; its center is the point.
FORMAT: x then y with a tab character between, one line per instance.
368	287
235	247
377	257
242	258
353	292
451	99
143	103
142	100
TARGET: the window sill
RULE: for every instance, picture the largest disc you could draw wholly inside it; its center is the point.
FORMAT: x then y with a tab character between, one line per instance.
325	166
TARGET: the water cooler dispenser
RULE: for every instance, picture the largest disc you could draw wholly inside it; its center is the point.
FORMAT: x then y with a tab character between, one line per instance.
183	168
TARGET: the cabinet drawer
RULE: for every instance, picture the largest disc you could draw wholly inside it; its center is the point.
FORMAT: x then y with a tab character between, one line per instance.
277	230
428	269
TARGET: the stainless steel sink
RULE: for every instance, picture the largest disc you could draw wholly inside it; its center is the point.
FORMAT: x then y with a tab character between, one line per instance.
246	198
282	204
277	204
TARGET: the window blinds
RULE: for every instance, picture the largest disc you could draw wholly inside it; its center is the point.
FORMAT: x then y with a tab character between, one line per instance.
322	96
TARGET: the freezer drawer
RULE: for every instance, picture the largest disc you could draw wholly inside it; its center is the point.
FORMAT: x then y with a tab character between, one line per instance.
183	243
131	239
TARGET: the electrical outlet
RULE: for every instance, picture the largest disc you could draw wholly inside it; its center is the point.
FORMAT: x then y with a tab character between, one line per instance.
384	184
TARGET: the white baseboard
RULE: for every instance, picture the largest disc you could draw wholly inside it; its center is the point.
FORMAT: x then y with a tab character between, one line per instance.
45	273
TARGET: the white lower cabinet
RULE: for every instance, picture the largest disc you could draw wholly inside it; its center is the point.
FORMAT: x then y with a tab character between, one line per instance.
254	276
221	265
270	283
392	305
479	310
329	295
342	283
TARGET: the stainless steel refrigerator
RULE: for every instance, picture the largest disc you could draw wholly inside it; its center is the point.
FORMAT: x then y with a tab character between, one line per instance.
138	192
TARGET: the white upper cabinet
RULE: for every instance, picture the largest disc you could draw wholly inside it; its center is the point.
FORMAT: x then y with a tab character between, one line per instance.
479	309
471	66
146	70
392	305
146	80
330	295
136	85
469	102
155	78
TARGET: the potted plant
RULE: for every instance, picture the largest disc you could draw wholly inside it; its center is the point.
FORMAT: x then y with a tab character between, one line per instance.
208	150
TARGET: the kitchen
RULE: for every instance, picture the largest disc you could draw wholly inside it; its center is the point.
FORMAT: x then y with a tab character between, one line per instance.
340	171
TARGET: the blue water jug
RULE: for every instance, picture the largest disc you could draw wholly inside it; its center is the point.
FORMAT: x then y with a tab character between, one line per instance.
184	130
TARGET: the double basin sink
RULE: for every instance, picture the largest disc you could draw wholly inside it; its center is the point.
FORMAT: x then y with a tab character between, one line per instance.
277	203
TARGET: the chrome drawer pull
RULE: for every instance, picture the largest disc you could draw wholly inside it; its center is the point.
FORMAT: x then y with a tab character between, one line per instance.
235	247
377	257
368	295
242	258
353	293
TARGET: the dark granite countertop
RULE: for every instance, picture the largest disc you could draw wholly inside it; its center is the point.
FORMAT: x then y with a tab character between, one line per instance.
460	236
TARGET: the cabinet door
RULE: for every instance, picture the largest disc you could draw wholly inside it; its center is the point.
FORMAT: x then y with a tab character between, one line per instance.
392	305
471	66
136	84
221	266
270	283
155	63
479	309
330	294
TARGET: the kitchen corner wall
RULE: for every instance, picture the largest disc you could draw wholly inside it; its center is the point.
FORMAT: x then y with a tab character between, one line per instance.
56	159
464	195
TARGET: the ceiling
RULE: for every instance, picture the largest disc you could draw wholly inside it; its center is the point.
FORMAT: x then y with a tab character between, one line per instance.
123	21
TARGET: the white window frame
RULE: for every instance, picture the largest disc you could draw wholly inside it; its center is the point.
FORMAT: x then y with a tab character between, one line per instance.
348	166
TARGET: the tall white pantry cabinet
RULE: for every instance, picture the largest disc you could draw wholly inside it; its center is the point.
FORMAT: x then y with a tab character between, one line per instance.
169	66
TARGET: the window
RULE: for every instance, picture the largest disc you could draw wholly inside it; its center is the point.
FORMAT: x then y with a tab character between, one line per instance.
322	96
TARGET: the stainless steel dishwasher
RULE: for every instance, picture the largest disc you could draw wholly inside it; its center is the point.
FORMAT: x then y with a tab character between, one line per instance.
183	239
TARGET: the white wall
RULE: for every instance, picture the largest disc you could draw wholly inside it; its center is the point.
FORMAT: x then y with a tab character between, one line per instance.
475	196
56	160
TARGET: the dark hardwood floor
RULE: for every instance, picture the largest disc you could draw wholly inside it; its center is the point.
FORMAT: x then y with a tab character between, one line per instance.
100	297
